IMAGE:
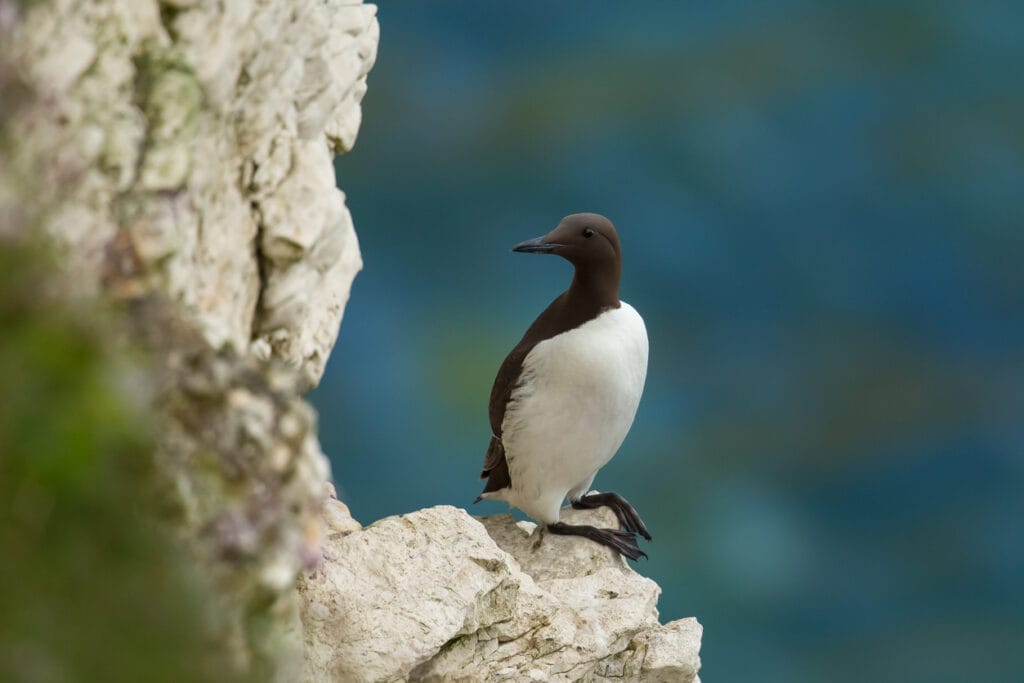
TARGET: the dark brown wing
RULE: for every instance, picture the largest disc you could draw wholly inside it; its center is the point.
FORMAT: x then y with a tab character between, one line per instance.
495	468
497	475
501	391
566	312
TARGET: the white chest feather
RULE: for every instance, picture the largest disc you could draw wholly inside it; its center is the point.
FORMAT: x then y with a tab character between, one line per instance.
574	404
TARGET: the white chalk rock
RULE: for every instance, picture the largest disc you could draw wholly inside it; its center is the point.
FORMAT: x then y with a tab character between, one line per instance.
437	595
206	131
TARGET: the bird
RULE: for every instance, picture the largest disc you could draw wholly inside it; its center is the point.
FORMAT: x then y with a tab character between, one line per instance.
565	396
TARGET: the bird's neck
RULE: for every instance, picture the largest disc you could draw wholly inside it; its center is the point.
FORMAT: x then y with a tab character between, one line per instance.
598	287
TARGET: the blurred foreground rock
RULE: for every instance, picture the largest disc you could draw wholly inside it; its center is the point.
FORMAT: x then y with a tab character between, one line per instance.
176	158
437	595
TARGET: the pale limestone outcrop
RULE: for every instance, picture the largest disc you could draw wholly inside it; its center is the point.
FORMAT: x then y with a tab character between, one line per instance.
179	156
201	134
437	595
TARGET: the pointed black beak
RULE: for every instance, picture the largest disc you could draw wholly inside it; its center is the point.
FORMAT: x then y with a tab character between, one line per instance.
538	245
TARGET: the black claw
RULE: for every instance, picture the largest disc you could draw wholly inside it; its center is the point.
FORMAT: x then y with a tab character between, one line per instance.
625	543
626	513
622	542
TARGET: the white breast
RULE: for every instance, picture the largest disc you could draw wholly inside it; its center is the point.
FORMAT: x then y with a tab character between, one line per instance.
577	396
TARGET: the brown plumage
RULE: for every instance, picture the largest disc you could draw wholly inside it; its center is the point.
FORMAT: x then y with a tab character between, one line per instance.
594	289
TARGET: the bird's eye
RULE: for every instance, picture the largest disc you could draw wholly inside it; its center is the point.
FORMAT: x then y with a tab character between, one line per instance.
588	233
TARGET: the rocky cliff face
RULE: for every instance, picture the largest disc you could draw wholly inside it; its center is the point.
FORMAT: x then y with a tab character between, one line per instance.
196	139
178	154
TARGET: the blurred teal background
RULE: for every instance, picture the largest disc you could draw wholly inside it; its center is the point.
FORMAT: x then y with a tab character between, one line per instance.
821	210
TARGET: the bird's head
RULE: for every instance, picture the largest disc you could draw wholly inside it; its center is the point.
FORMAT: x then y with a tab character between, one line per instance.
586	240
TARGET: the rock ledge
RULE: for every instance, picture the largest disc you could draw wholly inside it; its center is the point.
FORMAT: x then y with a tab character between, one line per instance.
438	595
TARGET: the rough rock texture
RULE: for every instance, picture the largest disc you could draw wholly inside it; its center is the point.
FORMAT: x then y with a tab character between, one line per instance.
179	155
244	481
201	135
437	595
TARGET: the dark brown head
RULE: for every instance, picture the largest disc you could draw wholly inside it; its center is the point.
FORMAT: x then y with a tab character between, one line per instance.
590	243
582	238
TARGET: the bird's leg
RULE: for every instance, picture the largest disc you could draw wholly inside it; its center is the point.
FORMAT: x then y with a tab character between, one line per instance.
628	517
540	536
622	542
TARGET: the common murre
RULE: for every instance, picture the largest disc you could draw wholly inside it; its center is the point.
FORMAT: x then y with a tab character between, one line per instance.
566	395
